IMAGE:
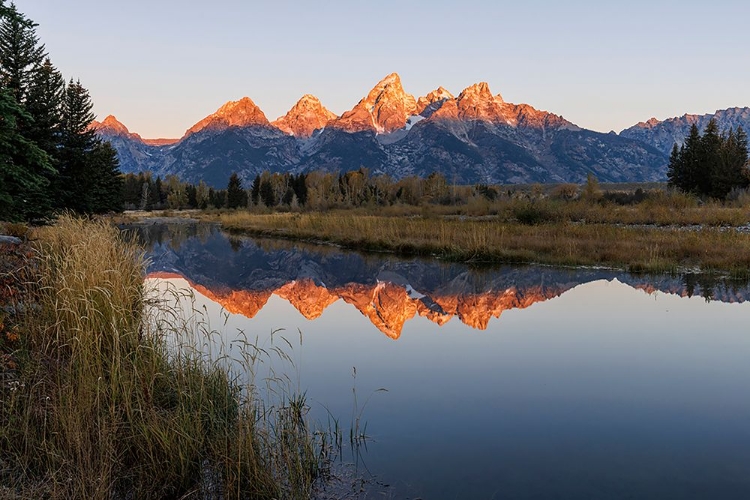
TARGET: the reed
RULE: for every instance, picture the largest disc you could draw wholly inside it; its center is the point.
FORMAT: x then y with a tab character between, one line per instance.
103	397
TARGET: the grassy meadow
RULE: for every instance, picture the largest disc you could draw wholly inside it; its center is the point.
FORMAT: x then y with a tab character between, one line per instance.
662	232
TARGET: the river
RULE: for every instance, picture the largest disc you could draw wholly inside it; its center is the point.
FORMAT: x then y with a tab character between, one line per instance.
488	383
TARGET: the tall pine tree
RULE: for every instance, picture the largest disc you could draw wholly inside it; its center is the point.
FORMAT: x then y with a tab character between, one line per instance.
267	195
20	52
675	172
255	190
709	156
89	180
45	99
24	167
236	196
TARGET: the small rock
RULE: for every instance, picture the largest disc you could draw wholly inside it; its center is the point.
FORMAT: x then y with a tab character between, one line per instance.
12	240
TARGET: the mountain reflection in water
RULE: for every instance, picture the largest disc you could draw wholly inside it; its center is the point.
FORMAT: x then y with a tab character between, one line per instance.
241	274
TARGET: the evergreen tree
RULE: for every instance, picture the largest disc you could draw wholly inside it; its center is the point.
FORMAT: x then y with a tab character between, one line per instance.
192	196
135	190
106	180
219	198
267	195
158	197
690	158
24	167
21	54
255	190
675	172
89	172
289	196
77	140
44	104
236	196
299	184
709	158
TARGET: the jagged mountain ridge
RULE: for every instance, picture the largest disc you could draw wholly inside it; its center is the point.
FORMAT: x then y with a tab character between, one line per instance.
664	134
385	109
476	137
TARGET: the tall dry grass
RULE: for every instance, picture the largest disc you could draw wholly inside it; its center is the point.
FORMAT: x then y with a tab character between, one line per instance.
494	240
104	400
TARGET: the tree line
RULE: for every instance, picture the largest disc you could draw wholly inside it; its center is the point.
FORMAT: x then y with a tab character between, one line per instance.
50	157
713	164
313	190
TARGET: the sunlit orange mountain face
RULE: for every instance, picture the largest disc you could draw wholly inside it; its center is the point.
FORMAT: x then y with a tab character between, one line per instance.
111	127
472	137
305	117
241	275
242	113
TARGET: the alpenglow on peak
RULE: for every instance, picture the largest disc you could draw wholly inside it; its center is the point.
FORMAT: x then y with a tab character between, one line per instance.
304	118
242	113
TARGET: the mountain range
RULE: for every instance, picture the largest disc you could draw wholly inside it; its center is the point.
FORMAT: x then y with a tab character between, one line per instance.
475	137
664	134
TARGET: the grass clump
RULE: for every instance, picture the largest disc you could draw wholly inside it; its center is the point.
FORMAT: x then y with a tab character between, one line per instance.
14	229
99	399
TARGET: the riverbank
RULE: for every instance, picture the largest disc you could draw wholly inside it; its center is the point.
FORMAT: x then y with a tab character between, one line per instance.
632	248
653	231
98	402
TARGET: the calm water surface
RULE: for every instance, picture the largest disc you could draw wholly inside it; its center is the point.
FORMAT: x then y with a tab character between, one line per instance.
511	382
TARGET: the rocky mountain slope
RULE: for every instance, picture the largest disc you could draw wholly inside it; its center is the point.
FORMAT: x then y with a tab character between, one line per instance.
305	117
664	134
234	114
476	137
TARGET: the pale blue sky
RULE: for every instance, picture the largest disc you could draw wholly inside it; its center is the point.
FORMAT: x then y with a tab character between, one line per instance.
162	65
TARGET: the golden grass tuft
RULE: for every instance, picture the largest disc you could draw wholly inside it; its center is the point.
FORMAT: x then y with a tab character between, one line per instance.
106	402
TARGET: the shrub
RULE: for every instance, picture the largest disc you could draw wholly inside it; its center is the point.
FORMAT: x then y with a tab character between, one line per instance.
625	198
565	192
534	213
